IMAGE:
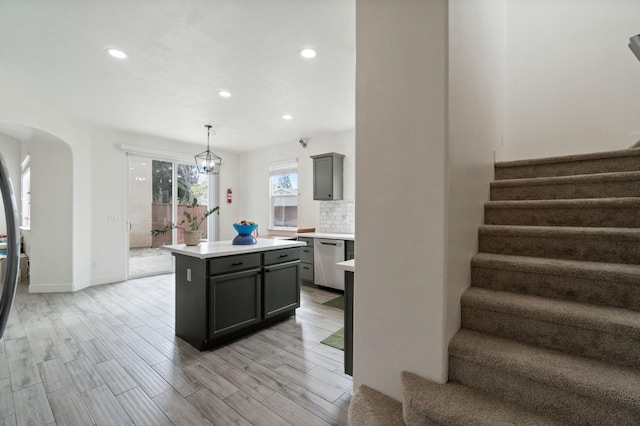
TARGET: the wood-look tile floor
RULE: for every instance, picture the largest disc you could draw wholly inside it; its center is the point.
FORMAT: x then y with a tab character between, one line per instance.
107	355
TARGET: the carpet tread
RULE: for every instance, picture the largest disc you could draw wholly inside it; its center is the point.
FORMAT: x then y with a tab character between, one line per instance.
372	408
623	322
456	404
580	203
605	271
570	158
560	180
587	377
575	232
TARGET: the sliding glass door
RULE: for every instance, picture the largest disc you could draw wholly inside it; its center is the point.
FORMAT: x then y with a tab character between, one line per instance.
159	194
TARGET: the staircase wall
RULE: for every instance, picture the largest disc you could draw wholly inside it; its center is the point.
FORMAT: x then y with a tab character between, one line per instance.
477	98
401	129
564	97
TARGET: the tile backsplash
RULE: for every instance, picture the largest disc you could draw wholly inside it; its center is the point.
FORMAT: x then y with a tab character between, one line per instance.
337	216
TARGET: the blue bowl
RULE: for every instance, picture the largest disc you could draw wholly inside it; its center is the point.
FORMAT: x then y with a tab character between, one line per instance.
245	229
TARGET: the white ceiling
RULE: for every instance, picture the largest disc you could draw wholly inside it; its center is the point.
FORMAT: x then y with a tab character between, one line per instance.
181	53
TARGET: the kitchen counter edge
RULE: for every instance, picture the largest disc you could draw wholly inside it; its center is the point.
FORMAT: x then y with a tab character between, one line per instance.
329	236
207	250
347	265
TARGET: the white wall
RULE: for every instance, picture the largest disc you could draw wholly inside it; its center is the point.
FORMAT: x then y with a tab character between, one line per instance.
252	195
108	165
10	149
573	84
52	216
401	130
477	83
59	241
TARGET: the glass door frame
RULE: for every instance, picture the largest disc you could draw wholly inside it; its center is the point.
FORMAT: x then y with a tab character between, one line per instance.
212	220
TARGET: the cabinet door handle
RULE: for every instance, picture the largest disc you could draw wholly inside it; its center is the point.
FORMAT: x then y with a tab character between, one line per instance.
305	267
329	244
237	263
284	255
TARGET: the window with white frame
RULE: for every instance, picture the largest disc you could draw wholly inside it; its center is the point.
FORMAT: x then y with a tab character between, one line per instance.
25	196
283	191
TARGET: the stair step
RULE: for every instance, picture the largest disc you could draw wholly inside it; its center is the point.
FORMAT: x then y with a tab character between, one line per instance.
369	407
453	404
602	185
598	212
612	245
608	284
573	389
602	162
605	333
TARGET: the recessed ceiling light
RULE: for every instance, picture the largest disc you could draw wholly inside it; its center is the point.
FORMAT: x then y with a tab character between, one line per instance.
308	53
116	53
287	116
224	94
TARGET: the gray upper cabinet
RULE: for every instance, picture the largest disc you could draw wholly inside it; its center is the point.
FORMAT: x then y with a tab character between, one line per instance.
327	176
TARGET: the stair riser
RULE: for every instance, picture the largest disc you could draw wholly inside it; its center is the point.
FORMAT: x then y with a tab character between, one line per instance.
595	291
604	165
616	217
567	191
615	348
612	250
414	417
568	406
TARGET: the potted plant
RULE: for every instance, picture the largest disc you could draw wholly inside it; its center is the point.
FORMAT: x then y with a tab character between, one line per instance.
191	232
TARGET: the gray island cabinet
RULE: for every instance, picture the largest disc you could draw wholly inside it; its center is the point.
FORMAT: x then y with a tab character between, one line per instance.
224	292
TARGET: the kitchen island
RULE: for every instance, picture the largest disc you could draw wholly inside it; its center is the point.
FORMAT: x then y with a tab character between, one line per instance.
226	291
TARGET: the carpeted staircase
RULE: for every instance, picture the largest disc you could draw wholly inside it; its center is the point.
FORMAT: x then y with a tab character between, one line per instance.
551	324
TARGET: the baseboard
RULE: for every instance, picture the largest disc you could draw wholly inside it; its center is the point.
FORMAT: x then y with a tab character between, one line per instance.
106	279
51	288
82	285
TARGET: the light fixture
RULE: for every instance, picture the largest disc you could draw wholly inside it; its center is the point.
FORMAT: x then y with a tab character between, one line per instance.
207	162
224	94
308	53
116	53
287	117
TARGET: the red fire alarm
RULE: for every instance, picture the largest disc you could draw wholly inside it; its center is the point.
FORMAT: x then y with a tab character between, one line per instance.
229	196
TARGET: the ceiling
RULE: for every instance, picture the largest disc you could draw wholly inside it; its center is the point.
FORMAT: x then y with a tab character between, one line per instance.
180	55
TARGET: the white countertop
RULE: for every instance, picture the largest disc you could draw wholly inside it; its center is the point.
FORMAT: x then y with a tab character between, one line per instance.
347	265
225	248
346	237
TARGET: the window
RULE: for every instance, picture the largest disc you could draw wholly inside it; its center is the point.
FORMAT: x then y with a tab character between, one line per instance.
283	184
25	195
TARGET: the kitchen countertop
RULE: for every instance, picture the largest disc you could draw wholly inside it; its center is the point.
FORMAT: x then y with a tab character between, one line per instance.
347	265
346	237
225	248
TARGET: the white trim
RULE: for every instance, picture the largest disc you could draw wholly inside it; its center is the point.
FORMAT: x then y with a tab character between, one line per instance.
283	167
51	288
106	279
157	154
26	163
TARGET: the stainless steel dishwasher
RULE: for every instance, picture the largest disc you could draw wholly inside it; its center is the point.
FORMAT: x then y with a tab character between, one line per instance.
326	254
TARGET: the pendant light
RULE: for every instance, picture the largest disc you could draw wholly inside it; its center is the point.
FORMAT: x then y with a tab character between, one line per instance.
207	162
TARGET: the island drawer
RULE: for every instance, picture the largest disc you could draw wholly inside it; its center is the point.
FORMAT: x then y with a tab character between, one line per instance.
278	256
240	262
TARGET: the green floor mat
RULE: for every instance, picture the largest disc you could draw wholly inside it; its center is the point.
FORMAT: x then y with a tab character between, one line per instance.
336	340
338	302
